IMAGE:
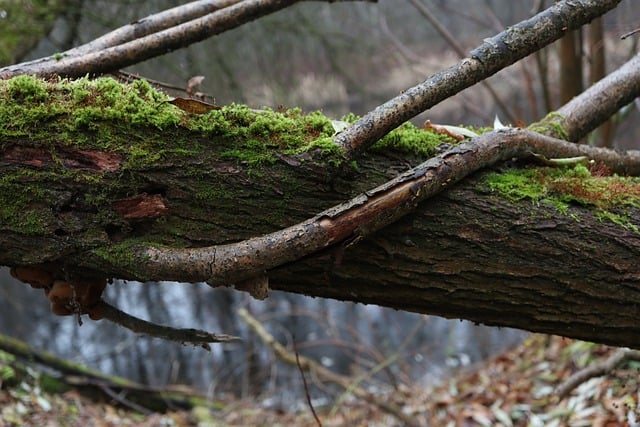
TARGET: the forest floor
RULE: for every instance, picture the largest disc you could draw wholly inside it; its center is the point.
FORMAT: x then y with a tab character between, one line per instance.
516	388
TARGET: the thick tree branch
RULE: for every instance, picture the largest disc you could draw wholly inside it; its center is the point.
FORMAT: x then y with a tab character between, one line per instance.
493	55
381	206
100	203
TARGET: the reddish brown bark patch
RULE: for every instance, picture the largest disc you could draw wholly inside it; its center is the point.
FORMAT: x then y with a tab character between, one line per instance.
141	206
96	161
89	160
26	155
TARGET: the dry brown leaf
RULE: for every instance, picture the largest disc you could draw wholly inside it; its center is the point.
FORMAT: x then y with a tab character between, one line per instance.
193	105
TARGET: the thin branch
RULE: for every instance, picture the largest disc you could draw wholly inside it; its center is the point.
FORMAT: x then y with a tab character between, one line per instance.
597	104
152	36
325	374
122	400
450	39
191	336
630	33
493	55
152	24
306	386
596	370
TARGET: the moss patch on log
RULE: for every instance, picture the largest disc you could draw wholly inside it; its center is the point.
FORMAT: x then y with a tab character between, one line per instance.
93	113
562	187
131	130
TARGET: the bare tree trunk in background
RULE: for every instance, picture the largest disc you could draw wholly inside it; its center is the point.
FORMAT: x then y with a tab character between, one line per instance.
603	136
570	65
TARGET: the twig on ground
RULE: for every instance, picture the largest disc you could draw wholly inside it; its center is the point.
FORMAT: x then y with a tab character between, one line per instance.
596	370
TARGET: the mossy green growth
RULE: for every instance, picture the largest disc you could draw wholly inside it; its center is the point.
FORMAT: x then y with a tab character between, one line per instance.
551	125
19	208
102	113
28	107
255	136
407	138
562	187
123	254
28	89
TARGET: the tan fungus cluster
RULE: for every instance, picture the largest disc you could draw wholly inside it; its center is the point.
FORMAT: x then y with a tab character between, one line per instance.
66	297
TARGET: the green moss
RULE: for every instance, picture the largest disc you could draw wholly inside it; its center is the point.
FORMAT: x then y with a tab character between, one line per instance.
408	138
20	204
563	187
28	89
123	254
622	220
100	114
552	125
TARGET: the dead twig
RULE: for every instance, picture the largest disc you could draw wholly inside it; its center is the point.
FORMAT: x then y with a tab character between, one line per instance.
493	55
191	336
306	386
596	370
451	40
121	51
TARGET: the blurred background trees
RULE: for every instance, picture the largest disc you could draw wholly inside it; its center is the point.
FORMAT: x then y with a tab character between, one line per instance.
340	58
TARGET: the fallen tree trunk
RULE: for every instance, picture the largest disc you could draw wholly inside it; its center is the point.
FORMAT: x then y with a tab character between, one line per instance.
99	177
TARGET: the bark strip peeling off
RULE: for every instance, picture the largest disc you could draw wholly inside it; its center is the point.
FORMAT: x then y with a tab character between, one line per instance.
141	206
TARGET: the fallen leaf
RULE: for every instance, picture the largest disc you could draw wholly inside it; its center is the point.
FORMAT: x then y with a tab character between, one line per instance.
456	132
193	105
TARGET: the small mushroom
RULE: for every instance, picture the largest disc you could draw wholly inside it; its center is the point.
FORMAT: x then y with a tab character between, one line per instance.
96	312
60	291
77	297
60	309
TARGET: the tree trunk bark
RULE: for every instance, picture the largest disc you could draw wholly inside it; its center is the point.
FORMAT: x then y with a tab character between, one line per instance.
471	254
